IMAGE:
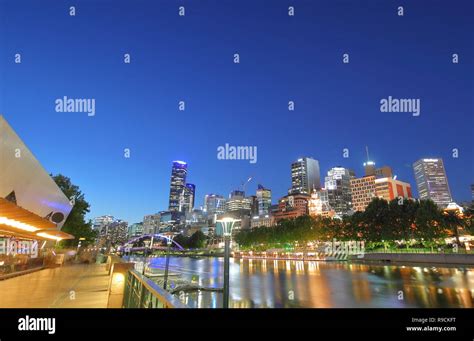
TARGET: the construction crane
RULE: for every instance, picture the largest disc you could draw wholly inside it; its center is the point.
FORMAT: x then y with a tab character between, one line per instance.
244	184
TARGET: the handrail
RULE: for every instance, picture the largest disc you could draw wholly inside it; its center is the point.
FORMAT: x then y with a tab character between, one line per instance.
147	286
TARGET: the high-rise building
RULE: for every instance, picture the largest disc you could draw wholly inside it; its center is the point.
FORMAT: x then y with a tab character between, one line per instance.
187	199
264	200
101	222
384	172
214	204
369	168
338	186
305	176
432	182
237	201
472	192
114	234
151	223
363	191
196	218
389	189
177	185
170	220
253	205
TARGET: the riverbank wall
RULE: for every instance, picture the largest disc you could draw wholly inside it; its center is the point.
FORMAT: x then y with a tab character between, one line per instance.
437	258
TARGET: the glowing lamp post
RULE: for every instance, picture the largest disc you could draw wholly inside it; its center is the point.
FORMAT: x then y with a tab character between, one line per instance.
227	226
169	241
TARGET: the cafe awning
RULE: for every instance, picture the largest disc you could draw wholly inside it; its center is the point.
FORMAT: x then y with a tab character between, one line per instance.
17	221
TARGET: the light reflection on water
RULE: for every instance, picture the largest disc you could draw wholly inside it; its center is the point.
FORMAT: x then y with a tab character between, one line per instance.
285	284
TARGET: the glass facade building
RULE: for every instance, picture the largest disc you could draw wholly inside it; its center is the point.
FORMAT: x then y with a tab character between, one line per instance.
187	199
177	185
338	186
214	204
432	182
305	176
264	200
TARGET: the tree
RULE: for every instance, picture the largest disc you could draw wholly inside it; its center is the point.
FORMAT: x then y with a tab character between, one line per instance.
75	223
197	240
182	240
452	220
428	221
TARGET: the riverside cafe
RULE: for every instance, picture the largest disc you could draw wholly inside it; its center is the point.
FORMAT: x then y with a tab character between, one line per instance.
24	238
33	208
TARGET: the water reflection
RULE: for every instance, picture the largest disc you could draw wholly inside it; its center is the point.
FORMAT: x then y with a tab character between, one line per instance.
278	284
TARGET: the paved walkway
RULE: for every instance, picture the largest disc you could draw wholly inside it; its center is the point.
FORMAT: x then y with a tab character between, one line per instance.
70	286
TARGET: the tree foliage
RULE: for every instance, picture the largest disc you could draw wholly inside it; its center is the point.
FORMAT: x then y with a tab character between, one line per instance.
382	222
197	240
75	223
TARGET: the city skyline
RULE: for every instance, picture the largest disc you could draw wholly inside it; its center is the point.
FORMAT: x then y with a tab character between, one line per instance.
381	177
336	105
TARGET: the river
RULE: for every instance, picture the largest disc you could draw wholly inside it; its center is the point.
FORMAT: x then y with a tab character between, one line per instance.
318	284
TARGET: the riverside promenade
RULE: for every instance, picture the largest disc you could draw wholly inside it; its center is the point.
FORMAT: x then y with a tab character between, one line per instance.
69	286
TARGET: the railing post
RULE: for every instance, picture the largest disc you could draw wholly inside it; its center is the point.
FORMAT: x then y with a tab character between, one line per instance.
117	283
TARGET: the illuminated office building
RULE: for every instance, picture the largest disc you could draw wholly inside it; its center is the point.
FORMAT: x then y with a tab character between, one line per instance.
432	182
338	186
177	185
362	192
305	176
264	200
187	198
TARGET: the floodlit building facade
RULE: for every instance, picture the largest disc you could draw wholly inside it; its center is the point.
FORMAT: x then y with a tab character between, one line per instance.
389	189
179	171
264	200
338	186
432	182
305	176
362	191
292	206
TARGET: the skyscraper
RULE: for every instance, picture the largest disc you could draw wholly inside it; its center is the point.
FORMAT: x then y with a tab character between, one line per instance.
264	199
305	176
214	204
432	182
177	185
338	186
187	199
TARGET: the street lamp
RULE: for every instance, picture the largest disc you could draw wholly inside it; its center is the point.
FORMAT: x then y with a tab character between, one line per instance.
227	226
169	241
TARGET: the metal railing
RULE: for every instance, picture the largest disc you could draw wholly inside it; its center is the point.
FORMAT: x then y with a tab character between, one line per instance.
142	292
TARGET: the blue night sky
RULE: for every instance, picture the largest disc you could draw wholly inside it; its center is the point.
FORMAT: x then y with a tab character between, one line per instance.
191	58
